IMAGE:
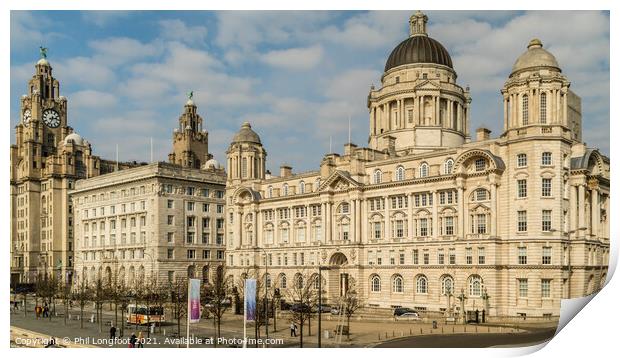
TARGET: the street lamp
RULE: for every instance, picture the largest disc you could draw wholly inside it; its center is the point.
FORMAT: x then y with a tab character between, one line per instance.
266	297
321	268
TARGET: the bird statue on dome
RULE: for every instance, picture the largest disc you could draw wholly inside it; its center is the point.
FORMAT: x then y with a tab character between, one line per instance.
190	95
43	51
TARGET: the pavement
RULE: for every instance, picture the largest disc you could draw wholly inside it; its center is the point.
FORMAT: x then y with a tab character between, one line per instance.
364	333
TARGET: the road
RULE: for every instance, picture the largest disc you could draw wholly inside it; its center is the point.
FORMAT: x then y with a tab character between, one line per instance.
480	340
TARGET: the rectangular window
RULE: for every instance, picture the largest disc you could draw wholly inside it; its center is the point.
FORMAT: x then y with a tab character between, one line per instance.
220	209
521	188
170	219
190	206
521	160
401	258
170	204
482	223
206	254
546	158
170	253
546	255
468	256
399	228
546	220
426	258
521	220
452	257
481	256
191	221
480	164
423	227
205	237
546	187
190	237
191	254
440	258
220	255
377	230
522	287
205	208
170	237
449	220
545	288
522	255
415	257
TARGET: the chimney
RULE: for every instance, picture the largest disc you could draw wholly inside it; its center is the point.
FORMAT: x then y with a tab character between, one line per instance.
286	170
483	134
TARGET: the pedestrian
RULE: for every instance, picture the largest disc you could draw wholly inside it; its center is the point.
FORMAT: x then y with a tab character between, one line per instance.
46	309
112	332
51	342
37	310
15	306
132	340
140	340
293	329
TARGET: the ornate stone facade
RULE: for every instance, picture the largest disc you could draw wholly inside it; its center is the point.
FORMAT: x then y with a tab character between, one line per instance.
45	163
426	214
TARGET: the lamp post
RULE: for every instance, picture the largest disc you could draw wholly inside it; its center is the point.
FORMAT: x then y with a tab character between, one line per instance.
266	297
321	268
485	298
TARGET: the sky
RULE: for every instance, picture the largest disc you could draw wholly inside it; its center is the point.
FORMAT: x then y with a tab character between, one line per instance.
296	76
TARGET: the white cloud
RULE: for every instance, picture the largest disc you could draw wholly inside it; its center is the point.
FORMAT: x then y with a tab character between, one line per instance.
84	71
177	30
118	50
302	58
90	99
102	18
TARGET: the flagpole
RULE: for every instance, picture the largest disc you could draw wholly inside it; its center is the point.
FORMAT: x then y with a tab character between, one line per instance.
188	310
349	128
245	313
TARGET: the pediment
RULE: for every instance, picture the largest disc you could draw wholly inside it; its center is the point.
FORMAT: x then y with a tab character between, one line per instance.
339	181
428	85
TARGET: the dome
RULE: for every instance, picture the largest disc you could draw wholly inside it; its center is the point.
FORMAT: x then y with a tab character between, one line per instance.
246	134
43	62
418	48
211	163
535	56
189	103
76	138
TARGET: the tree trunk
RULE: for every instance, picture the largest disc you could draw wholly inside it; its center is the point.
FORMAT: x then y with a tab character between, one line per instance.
82	316
309	328
66	310
301	333
348	327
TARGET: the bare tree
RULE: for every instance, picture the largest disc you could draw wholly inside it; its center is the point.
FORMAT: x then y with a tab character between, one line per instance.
99	298
303	293
350	303
81	294
178	297
46	289
65	295
216	295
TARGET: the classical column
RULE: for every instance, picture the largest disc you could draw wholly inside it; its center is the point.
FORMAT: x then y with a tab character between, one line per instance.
256	227
324	222
573	209
505	114
582	209
494	214
353	221
461	229
410	215
459	117
564	108
329	222
596	211
240	227
435	226
359	220
386	215
449	113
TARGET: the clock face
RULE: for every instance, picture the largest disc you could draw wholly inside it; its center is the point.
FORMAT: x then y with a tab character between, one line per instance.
26	117
51	118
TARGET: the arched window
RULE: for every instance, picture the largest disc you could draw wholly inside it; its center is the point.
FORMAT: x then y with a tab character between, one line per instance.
400	173
423	170
299	281
397	284
447	166
302	187
475	286
447	285
525	110
285	189
375	284
543	108
377	177
422	284
283	281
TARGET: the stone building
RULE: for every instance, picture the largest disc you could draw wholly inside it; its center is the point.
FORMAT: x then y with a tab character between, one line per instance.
46	160
161	219
426	214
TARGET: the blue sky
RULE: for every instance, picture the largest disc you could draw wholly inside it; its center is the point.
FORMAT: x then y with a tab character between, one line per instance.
296	76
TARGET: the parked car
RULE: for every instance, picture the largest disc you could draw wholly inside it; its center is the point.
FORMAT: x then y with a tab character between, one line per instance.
335	310
225	302
323	308
300	307
402	310
408	316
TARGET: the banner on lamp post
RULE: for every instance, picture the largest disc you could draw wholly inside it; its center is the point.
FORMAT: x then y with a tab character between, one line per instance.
194	301
250	299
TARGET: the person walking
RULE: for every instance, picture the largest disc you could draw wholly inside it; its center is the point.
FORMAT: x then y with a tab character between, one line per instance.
132	340
293	330
112	332
140	340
